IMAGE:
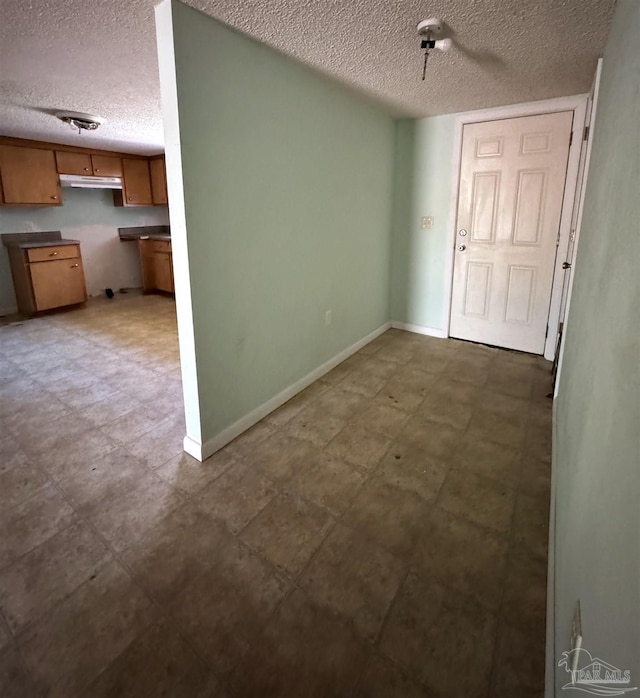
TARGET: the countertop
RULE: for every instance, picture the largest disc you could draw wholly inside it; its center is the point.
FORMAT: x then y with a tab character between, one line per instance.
46	238
164	238
43	243
153	232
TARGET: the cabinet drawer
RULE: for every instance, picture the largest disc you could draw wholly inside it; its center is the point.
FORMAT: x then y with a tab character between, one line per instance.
47	254
161	246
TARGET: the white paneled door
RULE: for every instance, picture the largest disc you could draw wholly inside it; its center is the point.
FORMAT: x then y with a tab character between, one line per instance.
512	178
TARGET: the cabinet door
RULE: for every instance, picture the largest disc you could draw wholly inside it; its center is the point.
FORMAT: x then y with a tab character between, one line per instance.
163	272
58	283
136	183
158	181
29	176
148	265
106	166
73	163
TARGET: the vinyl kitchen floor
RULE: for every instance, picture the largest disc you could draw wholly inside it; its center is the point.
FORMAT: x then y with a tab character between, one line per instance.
383	534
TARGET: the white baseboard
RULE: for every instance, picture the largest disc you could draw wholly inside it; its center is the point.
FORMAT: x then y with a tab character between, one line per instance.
209	447
193	448
419	329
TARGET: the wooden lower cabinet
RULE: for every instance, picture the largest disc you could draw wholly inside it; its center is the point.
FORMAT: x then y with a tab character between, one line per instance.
47	277
59	283
157	266
164	271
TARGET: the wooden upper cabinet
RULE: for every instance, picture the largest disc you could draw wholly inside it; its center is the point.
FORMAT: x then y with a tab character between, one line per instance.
158	181
73	163
136	183
88	164
106	166
29	176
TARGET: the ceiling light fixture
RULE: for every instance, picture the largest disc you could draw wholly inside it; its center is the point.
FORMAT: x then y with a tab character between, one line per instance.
426	29
79	120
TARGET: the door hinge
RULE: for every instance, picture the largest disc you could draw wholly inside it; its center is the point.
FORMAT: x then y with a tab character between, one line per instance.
570	138
546	332
586	133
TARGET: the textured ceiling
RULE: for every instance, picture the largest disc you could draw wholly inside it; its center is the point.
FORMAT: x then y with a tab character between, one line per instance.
100	57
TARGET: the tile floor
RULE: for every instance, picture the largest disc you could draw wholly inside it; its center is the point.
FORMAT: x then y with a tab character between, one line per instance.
382	534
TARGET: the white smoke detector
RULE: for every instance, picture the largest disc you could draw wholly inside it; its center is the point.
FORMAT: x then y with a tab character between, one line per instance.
80	120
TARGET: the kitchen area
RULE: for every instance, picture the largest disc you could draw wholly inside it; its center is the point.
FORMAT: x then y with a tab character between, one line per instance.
78	223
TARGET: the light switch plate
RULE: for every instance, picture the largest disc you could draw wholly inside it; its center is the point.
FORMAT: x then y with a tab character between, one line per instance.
426	222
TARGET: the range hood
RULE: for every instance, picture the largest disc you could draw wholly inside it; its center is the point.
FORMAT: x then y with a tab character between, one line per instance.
82	182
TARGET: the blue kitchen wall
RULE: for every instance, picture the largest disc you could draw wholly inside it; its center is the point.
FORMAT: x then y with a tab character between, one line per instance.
87	215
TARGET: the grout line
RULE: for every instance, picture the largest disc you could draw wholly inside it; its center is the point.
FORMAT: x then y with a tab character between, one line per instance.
394	601
281	486
15	646
160	612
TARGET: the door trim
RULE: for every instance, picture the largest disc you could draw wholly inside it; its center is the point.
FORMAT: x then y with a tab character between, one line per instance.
575	103
585	161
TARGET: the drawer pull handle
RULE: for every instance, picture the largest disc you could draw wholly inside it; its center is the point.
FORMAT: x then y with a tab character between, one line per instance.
73	266
53	254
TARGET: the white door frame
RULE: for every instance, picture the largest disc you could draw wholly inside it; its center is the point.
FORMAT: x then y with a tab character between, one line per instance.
577	214
577	104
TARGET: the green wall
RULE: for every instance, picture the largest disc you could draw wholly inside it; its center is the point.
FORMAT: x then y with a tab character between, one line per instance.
288	188
597	429
87	215
424	161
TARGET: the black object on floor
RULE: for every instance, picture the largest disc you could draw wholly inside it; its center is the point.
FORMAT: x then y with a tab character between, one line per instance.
109	293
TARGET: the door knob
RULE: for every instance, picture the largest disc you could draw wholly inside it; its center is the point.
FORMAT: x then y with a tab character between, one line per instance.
462	248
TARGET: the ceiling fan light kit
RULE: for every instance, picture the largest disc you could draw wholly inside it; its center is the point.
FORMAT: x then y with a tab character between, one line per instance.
432	25
80	120
426	29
